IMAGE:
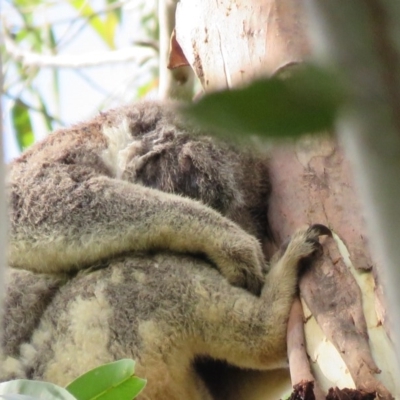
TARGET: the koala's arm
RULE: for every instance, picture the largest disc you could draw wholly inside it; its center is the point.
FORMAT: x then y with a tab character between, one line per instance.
68	211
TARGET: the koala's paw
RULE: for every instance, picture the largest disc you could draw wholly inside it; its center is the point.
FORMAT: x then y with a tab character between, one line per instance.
304	245
242	262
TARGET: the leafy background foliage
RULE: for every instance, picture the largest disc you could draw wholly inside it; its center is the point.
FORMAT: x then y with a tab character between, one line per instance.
43	93
39	97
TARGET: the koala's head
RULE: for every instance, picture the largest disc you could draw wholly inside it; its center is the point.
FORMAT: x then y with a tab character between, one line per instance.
168	156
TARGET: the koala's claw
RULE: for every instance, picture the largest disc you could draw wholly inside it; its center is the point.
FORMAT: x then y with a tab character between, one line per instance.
320	230
304	244
313	232
318	250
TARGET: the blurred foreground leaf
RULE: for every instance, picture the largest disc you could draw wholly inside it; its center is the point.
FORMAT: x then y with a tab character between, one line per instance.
33	390
111	381
305	102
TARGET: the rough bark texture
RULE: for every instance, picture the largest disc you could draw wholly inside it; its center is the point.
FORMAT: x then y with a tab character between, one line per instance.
312	183
349	394
315	176
304	390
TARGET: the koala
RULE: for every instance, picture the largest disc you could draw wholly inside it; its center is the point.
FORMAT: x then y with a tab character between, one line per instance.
167	311
110	228
131	179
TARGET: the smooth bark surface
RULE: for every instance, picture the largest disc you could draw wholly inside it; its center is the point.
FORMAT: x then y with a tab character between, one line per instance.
229	43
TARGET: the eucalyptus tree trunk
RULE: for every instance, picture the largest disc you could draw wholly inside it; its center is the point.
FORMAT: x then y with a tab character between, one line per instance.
229	43
361	39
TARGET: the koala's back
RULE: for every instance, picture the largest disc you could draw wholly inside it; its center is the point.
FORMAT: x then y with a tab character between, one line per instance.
79	195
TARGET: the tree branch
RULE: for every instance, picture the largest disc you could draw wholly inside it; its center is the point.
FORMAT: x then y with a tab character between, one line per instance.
30	59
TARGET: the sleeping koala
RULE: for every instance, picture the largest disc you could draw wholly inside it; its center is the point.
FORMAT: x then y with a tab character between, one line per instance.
139	196
89	192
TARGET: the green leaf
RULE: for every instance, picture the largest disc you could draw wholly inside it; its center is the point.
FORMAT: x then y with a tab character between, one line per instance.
22	125
305	102
106	30
35	389
111	381
21	35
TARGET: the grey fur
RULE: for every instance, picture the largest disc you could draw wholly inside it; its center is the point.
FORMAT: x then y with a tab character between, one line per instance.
79	196
82	199
165	311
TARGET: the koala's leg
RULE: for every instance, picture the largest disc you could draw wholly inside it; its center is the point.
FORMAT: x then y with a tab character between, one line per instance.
251	331
59	223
